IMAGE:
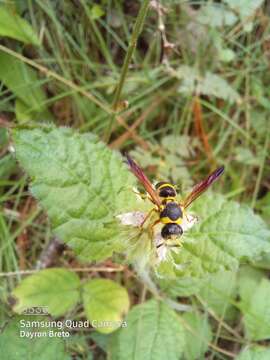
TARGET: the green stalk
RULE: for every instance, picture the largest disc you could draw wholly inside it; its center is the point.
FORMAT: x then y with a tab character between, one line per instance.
260	174
132	45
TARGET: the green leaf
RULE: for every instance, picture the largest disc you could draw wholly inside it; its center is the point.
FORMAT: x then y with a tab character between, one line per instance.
78	346
96	12
210	84
23	81
227	234
81	184
13	26
215	85
245	8
101	340
216	15
254	353
16	347
105	303
218	292
198	335
225	54
246	157
248	280
153	332
58	289
182	286
256	312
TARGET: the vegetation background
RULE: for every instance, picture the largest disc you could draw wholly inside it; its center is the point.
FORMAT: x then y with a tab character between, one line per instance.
194	95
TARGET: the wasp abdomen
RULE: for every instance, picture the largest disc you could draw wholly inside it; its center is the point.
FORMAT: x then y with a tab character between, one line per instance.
170	230
172	211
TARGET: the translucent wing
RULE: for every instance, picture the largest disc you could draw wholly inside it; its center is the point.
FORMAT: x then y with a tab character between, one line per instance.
202	186
137	171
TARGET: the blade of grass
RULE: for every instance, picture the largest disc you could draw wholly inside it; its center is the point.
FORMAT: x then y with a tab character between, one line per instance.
132	45
58	77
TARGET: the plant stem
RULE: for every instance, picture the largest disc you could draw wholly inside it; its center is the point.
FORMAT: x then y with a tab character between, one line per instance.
132	45
259	177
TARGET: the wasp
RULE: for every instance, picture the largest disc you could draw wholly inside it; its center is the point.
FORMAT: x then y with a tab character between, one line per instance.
163	196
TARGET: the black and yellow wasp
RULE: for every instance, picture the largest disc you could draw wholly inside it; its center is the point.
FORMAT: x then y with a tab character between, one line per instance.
163	196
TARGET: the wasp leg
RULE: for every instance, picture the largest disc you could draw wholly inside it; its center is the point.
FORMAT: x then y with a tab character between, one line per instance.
175	245
159	245
147	216
152	227
142	195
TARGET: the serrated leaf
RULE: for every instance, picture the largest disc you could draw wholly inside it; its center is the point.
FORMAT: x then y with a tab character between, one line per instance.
246	157
23	81
16	347
218	292
210	84
245	8
216	15
172	165
57	289
254	353
257	313
248	280
153	332
226	234
215	85
198	335
81	184
13	26
181	286
106	303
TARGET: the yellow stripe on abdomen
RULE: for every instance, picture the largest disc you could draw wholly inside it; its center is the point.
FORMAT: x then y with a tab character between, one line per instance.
167	220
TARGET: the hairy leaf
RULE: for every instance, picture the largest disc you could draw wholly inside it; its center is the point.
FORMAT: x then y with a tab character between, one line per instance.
58	289
210	84
218	292
81	184
153	332
254	353
248	280
216	15
227	233
105	303
15	345
256	312
198	335
245	8
13	26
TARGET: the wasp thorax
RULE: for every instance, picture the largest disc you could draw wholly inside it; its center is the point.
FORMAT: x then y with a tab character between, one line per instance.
165	189
172	211
171	230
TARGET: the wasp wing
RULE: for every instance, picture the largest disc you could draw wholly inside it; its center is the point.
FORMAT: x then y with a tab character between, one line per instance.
137	171
202	186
